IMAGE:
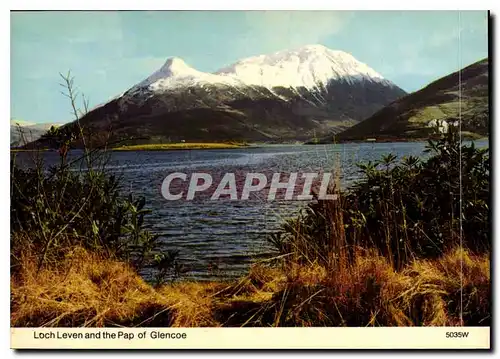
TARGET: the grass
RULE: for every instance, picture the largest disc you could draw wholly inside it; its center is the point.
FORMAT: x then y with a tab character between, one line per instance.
179	146
443	110
85	289
30	150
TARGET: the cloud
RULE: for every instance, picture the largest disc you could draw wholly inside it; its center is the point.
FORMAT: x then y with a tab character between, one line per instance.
278	30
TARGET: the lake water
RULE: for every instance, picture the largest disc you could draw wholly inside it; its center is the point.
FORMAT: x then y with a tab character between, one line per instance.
224	234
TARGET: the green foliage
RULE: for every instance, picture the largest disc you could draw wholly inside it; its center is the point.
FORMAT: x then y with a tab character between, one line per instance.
55	209
58	209
405	209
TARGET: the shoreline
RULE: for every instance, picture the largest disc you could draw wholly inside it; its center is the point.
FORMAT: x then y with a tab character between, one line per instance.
393	140
181	146
233	146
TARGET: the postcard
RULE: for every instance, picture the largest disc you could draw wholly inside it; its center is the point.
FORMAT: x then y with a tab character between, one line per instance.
250	180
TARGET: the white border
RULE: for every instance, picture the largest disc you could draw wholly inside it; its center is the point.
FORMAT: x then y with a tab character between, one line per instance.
254	338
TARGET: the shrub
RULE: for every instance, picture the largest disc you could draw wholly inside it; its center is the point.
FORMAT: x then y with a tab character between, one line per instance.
405	209
79	204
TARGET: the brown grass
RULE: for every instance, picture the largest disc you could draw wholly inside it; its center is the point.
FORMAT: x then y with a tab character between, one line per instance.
87	290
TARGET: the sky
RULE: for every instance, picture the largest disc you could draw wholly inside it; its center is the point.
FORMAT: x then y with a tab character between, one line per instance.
109	52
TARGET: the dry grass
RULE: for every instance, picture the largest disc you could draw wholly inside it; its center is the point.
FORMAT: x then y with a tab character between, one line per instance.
370	292
86	290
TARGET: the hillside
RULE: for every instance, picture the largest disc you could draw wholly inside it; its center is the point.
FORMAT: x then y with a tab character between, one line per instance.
23	132
412	116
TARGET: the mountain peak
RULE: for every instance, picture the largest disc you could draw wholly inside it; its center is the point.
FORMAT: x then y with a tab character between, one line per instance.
321	50
175	66
309	66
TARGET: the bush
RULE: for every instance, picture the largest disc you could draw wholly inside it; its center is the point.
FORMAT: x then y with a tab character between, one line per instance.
59	208
406	209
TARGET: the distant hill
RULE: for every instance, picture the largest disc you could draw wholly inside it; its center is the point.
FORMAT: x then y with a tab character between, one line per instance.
23	132
412	116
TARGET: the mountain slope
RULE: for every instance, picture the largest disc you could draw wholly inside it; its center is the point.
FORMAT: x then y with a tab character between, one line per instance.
289	95
413	115
23	132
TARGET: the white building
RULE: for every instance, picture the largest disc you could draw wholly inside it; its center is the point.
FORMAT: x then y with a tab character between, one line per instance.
441	125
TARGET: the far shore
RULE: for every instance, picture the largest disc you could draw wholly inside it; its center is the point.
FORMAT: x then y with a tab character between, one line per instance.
181	146
243	145
393	140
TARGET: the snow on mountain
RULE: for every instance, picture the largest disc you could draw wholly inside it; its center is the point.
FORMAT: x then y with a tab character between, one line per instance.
311	66
33	125
21	123
175	73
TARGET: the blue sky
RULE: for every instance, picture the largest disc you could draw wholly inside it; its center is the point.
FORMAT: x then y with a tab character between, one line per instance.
108	52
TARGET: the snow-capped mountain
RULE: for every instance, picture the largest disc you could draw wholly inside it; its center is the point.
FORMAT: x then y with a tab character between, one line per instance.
287	95
311	67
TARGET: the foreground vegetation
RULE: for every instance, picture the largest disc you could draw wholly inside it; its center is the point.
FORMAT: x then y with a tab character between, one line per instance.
409	244
87	289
